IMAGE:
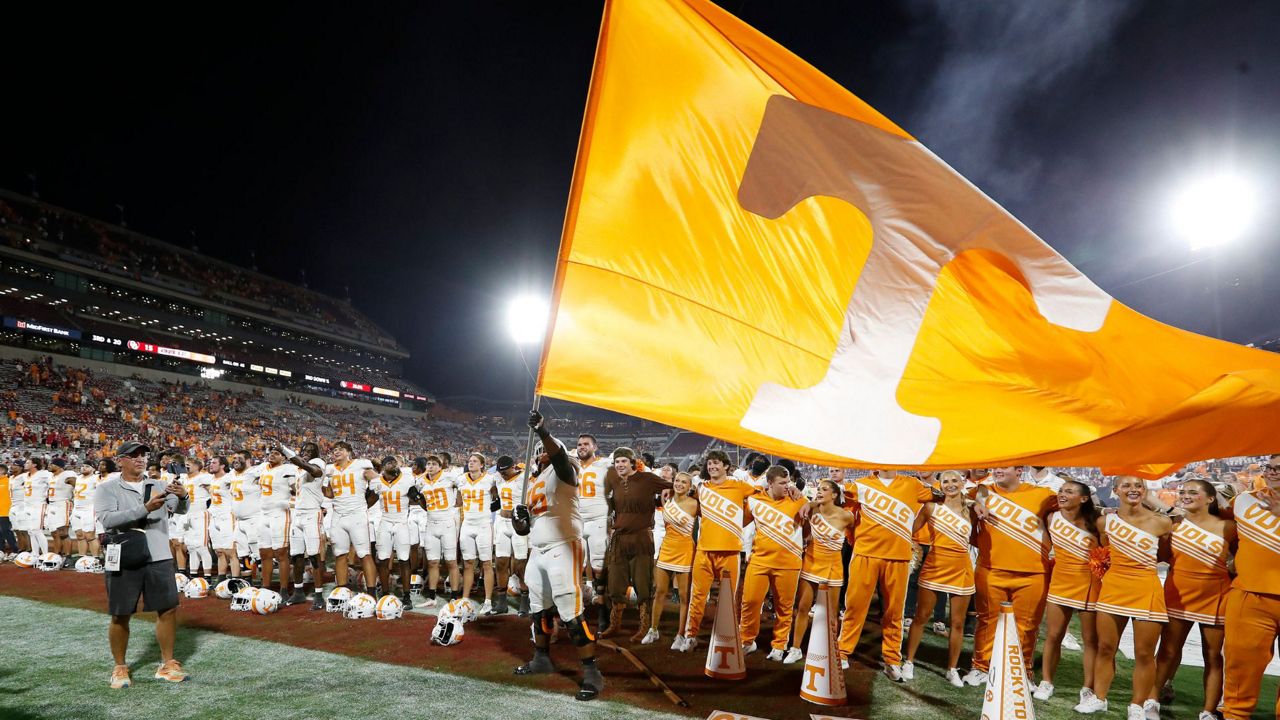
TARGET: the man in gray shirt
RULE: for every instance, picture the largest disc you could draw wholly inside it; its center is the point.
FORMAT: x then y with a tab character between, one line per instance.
130	501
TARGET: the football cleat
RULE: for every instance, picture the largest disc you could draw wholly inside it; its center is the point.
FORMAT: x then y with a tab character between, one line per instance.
88	564
389	607
265	602
338	599
360	606
448	631
50	562
181	580
197	588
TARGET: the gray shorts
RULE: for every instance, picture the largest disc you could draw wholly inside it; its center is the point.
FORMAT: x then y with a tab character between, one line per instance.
153	582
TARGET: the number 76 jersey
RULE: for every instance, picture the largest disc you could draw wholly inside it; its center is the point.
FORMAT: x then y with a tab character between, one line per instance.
553	503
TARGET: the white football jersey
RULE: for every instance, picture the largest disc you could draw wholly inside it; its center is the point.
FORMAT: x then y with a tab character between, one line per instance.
246	494
348	485
198	490
309	497
553	503
82	494
393	496
441	493
59	489
220	495
745	476
275	485
18	490
38	487
476	494
591	500
509	490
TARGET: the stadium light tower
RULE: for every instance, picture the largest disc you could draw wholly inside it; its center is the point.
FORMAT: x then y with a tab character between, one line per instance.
1214	209
527	319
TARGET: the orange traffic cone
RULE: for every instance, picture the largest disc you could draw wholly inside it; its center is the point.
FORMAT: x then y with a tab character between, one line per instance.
724	654
1008	694
823	681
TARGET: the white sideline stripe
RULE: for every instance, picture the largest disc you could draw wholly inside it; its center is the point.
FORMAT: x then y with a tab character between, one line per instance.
68	666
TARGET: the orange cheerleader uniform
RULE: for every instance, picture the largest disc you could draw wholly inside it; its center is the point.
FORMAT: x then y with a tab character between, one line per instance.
1131	587
822	563
1197	584
949	567
676	553
1073	584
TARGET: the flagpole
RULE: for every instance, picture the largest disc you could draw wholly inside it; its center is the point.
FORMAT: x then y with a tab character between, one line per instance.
528	457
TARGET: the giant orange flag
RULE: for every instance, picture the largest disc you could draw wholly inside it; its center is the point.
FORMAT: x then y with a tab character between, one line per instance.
753	253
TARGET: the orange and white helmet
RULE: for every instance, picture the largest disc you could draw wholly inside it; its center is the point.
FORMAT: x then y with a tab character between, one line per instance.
181	580
243	599
25	560
88	564
197	588
50	562
448	631
360	606
229	587
415	583
265	602
338	599
462	609
389	608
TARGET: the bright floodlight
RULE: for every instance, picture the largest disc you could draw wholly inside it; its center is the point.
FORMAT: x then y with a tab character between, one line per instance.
527	319
1214	210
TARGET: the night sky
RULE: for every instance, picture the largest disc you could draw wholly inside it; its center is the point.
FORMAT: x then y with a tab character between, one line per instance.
420	155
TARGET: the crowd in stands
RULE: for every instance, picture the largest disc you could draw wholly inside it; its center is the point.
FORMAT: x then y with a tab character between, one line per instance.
60	409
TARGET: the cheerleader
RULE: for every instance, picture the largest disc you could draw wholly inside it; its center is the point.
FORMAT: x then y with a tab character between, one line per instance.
827	524
1073	588
1195	590
948	568
675	556
1130	591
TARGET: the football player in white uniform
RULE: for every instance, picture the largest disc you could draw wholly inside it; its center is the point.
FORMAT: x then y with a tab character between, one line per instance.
347	482
37	493
477	496
222	524
510	548
550	516
594	508
307	522
397	488
246	506
439	536
83	521
18	515
196	538
276	483
57	516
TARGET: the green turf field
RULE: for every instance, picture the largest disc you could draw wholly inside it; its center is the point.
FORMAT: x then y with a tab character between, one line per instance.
54	663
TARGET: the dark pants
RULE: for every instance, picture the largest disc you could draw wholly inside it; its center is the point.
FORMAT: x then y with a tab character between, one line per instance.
152	582
629	561
8	541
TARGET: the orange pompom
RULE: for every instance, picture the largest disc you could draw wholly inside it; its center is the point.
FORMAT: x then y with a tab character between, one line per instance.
1099	561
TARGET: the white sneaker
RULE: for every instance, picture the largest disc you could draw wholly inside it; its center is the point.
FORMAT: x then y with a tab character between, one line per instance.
429	603
1093	705
893	672
486	608
1206	715
908	670
1150	709
1043	691
690	644
678	644
794	655
1086	694
748	648
1070	642
940	628
975	677
844	663
906	623
650	637
774	655
1135	712
953	677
